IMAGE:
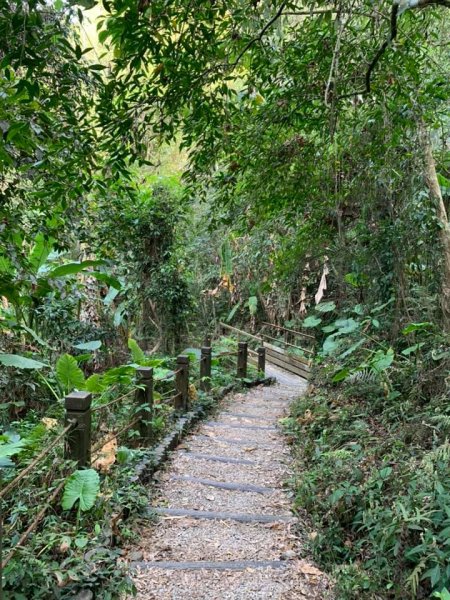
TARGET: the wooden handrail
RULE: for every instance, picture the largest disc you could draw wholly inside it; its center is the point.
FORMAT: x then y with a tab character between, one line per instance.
287	343
307	335
260	338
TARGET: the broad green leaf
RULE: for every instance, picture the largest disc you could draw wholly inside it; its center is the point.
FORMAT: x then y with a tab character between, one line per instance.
329	328
69	374
352	348
73	268
40	251
324	307
358	309
233	312
330	345
385	472
382	360
109	298
341	375
34	335
20	362
83	487
119	314
416	327
137	354
95	384
311	321
193	353
94	345
411	349
9	448
346	326
108	279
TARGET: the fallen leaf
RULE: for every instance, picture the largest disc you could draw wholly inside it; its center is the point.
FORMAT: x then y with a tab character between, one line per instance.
106	457
308	569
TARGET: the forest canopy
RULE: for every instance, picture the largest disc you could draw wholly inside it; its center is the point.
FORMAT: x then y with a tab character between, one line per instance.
167	165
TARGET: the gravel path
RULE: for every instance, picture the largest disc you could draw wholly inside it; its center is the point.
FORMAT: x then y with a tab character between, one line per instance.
225	529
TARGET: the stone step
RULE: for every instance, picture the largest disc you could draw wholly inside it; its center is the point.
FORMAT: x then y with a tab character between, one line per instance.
231	565
250	416
237	426
235	441
221	459
221	516
239	487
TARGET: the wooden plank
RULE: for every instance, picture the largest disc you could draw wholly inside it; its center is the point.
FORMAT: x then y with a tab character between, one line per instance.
220	516
290	368
287	366
229	565
305	372
287	358
295	359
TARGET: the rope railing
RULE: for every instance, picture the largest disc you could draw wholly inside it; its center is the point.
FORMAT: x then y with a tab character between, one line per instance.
33	525
24	472
100	444
101	407
293	331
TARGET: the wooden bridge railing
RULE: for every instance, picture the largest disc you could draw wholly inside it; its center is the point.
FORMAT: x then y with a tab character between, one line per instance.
291	357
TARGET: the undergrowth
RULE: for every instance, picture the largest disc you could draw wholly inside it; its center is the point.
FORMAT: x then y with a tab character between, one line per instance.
372	472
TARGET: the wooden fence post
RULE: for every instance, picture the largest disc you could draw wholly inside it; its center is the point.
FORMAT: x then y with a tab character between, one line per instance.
144	399
78	410
262	361
242	360
205	369
182	383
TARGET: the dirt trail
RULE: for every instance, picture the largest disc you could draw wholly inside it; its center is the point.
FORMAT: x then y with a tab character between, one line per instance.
226	531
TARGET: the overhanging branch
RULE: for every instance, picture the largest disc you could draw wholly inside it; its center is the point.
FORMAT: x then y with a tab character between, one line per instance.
260	35
391	37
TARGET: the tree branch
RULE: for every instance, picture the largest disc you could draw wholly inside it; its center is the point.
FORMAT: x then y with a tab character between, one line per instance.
391	37
260	35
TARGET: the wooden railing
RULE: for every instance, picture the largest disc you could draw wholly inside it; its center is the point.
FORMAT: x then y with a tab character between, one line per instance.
285	354
76	435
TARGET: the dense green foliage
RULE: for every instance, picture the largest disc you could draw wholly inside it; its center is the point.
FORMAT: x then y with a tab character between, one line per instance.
315	196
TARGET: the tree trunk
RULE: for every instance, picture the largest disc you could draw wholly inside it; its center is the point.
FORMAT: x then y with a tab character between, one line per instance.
441	213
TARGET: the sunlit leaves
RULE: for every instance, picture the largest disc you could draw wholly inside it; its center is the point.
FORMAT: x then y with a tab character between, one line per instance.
69	374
